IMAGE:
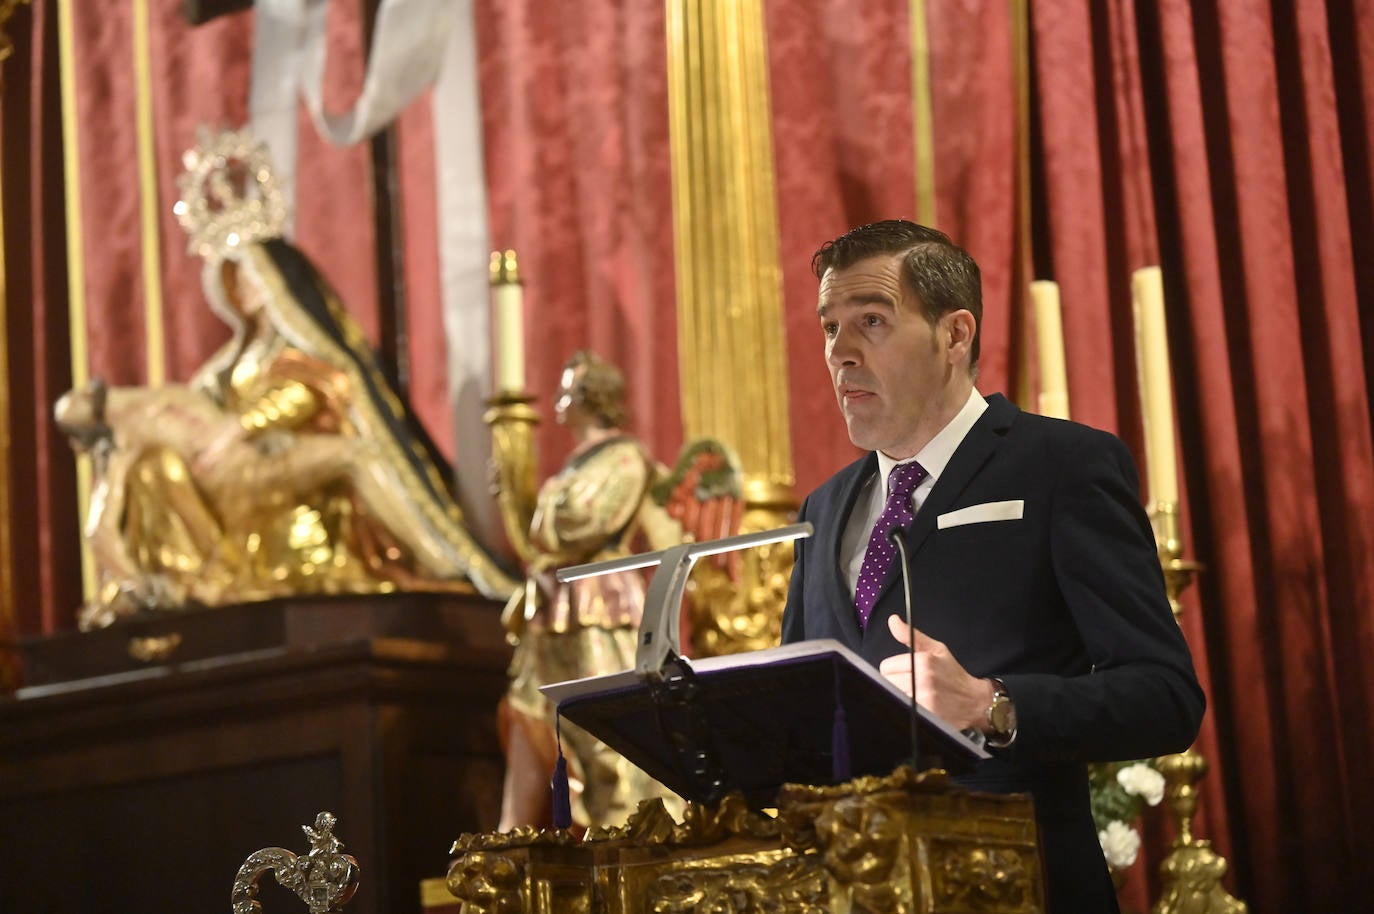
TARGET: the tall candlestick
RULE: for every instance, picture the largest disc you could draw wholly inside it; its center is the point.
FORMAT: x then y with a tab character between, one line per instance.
1156	389
508	303
1049	336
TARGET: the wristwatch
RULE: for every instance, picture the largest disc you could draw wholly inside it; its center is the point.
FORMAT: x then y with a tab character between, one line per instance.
1001	717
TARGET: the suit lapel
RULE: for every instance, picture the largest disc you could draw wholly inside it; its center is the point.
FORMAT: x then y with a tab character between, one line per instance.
973	453
841	599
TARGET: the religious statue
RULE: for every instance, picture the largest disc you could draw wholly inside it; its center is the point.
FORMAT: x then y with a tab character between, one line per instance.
286	465
610	499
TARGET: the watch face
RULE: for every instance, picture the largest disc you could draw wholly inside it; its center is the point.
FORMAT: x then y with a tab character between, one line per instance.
1002	715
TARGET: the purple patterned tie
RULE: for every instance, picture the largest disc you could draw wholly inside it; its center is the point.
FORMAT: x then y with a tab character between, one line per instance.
901	482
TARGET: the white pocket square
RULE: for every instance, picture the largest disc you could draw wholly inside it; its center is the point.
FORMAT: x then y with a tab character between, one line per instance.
981	514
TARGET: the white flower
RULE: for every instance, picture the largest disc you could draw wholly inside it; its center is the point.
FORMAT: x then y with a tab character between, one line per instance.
1143	781
1120	844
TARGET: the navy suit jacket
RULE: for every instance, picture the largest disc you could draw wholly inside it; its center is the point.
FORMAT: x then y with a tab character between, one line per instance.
1066	605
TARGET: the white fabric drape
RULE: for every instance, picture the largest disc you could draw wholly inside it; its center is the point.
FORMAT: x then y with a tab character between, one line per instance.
416	44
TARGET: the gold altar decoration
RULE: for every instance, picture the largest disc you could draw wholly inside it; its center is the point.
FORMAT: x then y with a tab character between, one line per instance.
900	844
7	8
729	286
286	465
1192	871
325	879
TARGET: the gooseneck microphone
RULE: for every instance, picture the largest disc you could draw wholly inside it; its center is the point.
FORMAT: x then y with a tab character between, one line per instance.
898	537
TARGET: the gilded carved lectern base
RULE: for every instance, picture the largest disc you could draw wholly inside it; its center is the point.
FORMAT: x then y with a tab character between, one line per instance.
903	844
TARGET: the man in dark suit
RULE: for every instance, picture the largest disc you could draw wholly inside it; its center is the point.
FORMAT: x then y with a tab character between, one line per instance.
1038	600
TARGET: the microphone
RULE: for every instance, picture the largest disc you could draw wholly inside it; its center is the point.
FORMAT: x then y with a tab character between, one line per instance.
898	537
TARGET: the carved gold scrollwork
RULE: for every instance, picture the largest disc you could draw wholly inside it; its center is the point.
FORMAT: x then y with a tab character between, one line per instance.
7	8
980	878
900	844
794	885
153	648
488	883
325	879
651	824
1192	876
730	614
863	846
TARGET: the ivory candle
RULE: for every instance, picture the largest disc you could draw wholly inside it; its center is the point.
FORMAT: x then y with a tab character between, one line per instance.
1156	389
509	305
1049	336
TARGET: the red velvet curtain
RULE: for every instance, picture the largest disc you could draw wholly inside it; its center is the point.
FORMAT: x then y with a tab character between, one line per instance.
1230	141
845	153
44	562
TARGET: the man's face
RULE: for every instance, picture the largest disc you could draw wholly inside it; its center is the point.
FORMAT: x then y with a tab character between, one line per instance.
888	364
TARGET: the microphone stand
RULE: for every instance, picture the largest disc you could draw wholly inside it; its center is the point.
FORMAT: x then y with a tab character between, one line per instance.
898	537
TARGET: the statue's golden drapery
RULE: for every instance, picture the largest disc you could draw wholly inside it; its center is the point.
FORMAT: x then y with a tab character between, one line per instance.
286	464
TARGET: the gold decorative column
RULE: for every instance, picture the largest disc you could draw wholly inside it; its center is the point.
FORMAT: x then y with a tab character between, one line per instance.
76	259
729	278
149	207
9	670
922	115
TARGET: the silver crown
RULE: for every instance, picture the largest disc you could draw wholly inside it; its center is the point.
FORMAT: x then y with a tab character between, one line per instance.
229	196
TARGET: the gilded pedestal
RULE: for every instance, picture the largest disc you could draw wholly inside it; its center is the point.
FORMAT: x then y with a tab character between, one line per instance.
903	843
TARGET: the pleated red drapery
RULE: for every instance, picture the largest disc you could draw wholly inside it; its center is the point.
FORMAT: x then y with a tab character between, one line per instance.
575	121
1244	125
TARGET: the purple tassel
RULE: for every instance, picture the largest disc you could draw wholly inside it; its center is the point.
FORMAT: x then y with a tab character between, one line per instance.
562	799
839	746
562	802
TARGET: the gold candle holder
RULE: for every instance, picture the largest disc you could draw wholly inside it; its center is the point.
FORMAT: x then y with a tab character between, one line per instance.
1192	872
512	419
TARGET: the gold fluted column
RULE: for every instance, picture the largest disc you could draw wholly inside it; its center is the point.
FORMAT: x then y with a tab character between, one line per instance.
729	276
9	670
76	275
922	114
155	356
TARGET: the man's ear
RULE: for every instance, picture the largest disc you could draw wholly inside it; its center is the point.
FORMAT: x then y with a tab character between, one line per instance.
960	327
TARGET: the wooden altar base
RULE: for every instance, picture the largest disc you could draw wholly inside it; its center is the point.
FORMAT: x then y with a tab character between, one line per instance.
141	787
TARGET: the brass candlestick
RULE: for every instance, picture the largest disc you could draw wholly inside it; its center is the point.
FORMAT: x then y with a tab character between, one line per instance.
512	419
1192	872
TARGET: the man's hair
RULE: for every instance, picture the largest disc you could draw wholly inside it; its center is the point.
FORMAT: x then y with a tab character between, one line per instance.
599	389
942	274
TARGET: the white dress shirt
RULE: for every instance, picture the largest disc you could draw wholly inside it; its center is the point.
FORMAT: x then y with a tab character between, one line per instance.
934	457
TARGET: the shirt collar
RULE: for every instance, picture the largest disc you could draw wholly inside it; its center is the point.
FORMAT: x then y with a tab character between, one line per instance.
935	456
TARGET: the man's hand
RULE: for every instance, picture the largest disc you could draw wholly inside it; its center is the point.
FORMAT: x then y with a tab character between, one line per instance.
942	685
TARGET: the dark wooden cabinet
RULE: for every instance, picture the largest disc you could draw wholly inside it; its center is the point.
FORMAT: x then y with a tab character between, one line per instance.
143	789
